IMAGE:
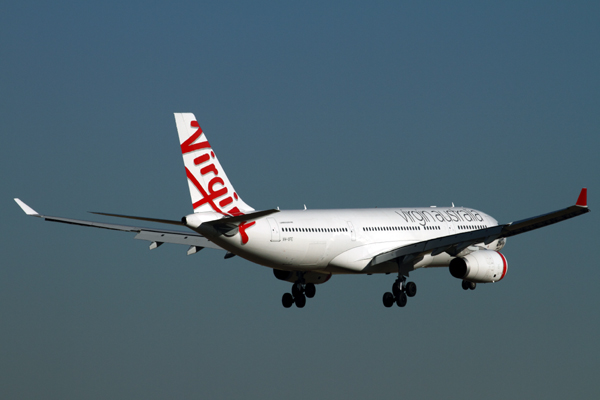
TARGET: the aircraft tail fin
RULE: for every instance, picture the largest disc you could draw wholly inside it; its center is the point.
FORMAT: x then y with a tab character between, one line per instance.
209	187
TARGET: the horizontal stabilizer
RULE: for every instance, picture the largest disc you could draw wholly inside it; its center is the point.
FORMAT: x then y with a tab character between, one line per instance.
243	218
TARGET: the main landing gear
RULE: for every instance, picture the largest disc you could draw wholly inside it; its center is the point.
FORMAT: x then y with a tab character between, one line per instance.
466	285
300	291
401	291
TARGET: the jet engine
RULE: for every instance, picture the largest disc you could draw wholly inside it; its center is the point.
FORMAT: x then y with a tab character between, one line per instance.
294	276
482	266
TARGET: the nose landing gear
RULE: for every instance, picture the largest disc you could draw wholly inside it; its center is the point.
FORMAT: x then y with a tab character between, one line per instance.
401	291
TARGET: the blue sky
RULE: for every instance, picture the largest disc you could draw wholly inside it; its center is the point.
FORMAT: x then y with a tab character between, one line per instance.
342	104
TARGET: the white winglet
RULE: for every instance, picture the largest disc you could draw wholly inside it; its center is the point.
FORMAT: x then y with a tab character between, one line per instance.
28	210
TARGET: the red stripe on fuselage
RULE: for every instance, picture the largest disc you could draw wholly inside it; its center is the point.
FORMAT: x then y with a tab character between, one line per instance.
242	229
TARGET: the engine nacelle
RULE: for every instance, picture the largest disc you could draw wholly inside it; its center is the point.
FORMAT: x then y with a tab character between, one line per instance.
482	266
293	276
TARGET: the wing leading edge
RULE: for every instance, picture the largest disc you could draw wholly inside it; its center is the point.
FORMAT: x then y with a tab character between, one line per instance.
454	244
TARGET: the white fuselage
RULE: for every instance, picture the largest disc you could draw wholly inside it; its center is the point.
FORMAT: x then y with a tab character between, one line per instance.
345	240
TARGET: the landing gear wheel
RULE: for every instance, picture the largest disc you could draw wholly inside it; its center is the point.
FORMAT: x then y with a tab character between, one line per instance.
287	300
401	300
310	290
297	289
397	288
472	285
466	285
411	289
388	299
300	301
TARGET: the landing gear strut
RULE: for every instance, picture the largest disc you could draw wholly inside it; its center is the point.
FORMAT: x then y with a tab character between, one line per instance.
401	291
300	291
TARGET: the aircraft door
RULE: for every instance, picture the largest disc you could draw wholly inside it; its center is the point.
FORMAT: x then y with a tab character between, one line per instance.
451	228
352	232
275	237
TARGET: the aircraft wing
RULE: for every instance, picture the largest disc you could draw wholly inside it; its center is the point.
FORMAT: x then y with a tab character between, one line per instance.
454	244
156	236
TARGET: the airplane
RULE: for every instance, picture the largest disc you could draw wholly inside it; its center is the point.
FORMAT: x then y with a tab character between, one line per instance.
307	247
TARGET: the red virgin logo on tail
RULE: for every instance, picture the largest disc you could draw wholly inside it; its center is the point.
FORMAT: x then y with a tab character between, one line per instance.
210	195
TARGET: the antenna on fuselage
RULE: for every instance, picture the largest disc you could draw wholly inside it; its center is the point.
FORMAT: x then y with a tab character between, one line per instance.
305	206
452	205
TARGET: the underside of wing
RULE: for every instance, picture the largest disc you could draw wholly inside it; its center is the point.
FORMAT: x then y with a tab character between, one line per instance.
454	244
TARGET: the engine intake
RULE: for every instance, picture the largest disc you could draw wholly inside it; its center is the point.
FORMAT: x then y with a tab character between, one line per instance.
483	266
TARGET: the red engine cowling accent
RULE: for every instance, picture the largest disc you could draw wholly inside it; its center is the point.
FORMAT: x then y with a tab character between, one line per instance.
309	276
482	266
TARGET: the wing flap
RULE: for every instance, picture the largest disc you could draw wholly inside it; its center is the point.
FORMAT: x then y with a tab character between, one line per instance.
176	238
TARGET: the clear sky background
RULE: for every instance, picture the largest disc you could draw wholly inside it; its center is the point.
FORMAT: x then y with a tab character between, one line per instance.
335	104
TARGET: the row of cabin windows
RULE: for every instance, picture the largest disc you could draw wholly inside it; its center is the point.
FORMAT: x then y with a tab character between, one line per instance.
381	228
472	227
399	228
314	229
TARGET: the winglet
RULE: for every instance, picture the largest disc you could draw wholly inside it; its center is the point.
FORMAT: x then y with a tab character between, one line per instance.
28	210
582	200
